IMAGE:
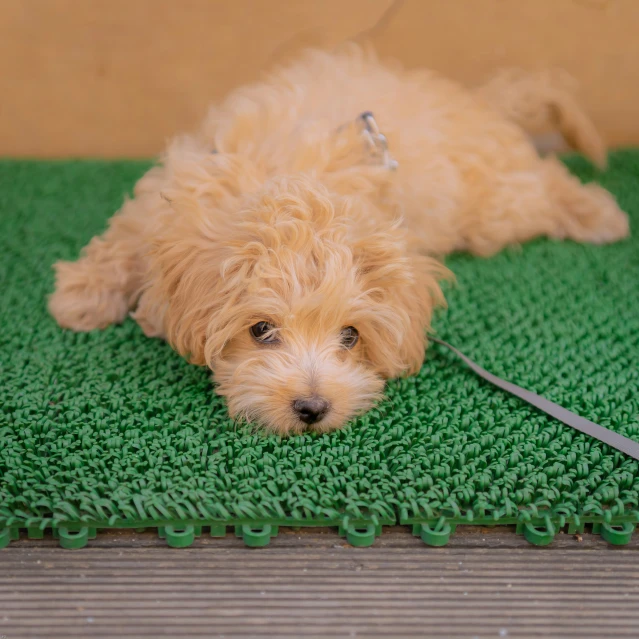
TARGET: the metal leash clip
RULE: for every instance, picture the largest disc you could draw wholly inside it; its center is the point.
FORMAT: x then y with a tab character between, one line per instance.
377	140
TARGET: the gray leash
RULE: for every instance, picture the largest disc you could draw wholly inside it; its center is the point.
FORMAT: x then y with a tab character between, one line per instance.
605	435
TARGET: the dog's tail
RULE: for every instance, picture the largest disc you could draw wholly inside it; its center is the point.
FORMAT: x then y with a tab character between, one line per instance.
544	105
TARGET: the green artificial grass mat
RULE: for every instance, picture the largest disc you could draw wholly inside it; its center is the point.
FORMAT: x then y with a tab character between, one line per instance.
113	429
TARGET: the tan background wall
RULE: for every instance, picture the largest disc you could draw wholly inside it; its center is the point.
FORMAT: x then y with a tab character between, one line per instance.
117	77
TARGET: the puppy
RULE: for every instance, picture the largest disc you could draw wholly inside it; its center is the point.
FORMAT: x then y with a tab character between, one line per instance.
294	244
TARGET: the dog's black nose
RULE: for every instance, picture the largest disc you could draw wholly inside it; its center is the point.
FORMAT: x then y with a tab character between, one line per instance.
310	410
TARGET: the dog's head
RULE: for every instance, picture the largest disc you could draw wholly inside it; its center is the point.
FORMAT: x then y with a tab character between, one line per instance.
301	302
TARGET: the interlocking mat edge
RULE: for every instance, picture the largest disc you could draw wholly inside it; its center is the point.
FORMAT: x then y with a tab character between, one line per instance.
111	429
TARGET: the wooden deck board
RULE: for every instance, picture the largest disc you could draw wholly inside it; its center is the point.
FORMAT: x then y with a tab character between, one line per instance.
485	583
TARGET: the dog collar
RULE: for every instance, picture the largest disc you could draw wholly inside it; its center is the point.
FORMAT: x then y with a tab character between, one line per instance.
377	140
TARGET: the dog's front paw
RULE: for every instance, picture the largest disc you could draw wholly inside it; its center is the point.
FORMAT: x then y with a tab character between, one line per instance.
83	300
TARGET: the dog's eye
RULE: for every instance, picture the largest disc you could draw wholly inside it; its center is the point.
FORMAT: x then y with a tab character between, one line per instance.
263	332
349	337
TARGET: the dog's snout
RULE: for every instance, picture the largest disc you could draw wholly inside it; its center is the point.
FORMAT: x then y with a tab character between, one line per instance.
310	410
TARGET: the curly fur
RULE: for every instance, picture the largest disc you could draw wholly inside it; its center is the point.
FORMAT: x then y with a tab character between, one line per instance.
294	221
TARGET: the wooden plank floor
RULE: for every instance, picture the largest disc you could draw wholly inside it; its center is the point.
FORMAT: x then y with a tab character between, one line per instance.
485	583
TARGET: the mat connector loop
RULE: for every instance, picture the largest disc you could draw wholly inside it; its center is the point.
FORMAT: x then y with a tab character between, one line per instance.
256	536
618	535
179	536
74	537
360	535
437	534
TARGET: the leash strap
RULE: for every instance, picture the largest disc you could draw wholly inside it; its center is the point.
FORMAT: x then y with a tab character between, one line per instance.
605	435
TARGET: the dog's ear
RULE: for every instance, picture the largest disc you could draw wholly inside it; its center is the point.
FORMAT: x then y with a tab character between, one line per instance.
401	290
194	286
194	282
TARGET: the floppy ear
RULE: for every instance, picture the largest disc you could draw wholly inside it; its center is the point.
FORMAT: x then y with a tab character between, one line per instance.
196	276
401	291
183	294
196	280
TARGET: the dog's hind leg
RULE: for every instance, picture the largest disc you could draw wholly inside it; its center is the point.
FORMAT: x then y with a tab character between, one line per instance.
544	106
584	212
514	207
102	286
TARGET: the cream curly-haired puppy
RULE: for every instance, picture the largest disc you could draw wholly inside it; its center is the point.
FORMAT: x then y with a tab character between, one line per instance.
295	250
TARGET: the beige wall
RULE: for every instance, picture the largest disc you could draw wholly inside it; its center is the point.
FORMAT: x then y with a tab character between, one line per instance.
117	77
